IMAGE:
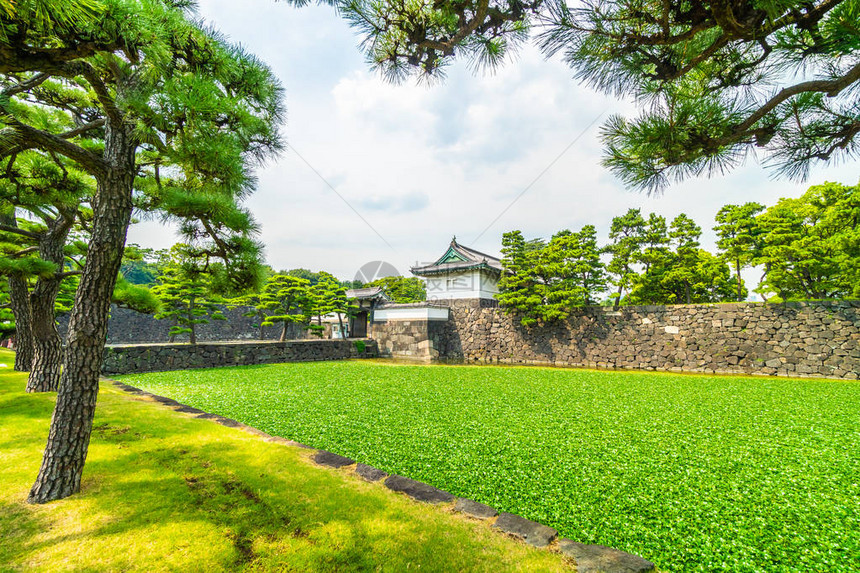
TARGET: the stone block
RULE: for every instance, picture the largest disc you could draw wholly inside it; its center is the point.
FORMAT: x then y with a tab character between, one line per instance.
474	509
370	473
331	460
600	559
531	532
417	490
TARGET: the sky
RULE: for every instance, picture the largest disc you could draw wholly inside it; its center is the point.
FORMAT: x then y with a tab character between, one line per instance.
380	172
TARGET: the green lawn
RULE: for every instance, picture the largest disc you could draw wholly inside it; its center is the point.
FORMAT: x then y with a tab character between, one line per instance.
163	491
696	473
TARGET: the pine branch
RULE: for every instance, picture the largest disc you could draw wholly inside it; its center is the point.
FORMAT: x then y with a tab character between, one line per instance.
22	232
46	141
26	85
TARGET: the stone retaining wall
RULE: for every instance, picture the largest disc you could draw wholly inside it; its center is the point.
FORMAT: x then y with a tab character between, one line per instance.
808	339
128	358
410	339
128	326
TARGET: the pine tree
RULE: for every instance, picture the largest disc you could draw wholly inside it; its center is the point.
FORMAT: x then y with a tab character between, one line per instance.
739	237
676	270
627	233
691	64
178	111
327	296
284	299
185	295
543	283
48	194
517	285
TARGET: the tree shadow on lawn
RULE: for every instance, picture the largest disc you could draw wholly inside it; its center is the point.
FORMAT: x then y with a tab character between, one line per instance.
209	498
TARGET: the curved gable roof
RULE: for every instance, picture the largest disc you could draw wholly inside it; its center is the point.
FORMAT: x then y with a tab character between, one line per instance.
460	258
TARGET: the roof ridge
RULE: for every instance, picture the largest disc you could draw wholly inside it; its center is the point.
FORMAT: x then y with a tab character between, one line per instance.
475	251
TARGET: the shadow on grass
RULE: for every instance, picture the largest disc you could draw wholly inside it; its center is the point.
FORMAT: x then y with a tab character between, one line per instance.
164	491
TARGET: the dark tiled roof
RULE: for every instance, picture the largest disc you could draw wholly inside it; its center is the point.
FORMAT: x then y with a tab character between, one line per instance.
367	293
460	258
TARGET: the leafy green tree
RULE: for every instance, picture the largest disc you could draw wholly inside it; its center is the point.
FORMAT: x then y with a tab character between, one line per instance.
129	295
693	64
627	234
684	233
140	265
812	244
676	270
545	283
7	319
739	237
180	115
186	299
402	289
518	288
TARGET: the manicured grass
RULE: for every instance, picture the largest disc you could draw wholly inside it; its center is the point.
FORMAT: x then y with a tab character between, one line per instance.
694	473
165	492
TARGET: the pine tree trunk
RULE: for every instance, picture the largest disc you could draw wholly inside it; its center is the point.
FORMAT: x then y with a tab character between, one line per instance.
72	422
284	332
47	344
193	333
19	300
740	282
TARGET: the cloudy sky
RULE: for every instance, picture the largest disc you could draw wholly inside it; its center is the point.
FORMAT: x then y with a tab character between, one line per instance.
420	164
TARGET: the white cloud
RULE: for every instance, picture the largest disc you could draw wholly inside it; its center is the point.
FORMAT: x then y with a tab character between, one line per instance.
423	163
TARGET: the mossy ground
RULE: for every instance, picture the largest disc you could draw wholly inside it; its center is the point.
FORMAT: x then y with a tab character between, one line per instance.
163	491
693	472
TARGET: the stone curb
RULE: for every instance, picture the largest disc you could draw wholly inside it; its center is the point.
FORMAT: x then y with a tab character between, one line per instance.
531	532
597	558
588	558
417	490
331	460
370	473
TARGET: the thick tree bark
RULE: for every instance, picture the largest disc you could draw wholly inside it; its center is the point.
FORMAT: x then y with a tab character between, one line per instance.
19	300
47	345
71	425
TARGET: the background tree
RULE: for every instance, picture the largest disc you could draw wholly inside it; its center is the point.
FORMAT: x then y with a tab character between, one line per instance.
402	289
544	284
141	265
178	110
676	270
627	235
184	291
739	237
517	285
692	65
284	299
684	233
812	244
327	296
